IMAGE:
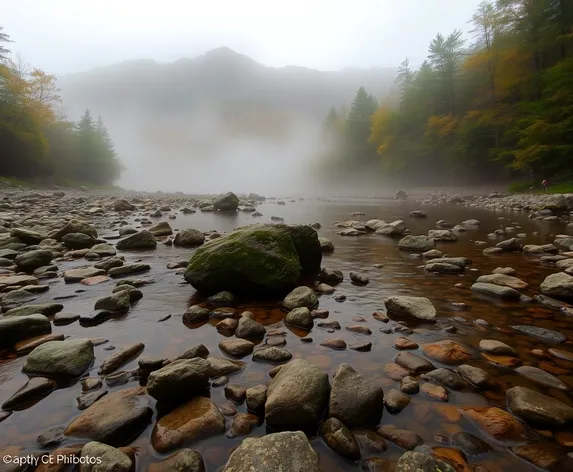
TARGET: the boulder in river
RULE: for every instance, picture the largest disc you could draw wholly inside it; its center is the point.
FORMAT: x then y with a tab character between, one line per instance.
123	205
300	297
226	202
416	243
116	419
179	380
161	229
300	317
274	452
355	399
189	238
255	260
78	241
70	358
297	395
110	458
537	408
503	280
141	240
74	226
31	260
442	235
418	308
495	290
559	285
340	439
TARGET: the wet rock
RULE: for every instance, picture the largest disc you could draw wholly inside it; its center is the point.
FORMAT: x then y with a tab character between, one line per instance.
110	458
184	460
477	377
272	354
27	236
300	297
236	347
128	269
34	389
117	302
300	317
195	314
361	346
437	265
28	345
256	397
542	333
512	244
77	275
17	281
560	354
442	235
416	243
537	408
243	424
110	263
141	240
418	214
329	324
503	280
498	291
355	399
29	261
340	439
236	393
409	385
492	346
161	229
545	455
413	363
395	401
222	299
219	366
358	279
446	377
189	238
195	420
403	438
504	270
274	452
179	380
334	343
69	358
471	445
416	461
90	384
78	241
121	357
226	202
419	308
559	285
435	391
359	329
323	289
74	226
88	399
115	419
541	377
330	276
46	309
446	352
16	328
297	395
325	245
248	328
498	423
123	205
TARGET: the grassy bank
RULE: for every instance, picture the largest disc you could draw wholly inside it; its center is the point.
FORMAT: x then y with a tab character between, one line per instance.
525	187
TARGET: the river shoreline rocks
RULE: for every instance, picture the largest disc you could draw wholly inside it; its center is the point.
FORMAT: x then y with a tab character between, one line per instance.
289	362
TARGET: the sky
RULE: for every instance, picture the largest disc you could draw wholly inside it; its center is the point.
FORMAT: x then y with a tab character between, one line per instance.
67	36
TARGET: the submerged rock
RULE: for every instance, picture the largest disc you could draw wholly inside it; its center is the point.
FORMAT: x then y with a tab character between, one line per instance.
537	408
340	439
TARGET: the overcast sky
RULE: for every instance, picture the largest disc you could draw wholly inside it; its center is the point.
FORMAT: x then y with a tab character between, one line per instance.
63	36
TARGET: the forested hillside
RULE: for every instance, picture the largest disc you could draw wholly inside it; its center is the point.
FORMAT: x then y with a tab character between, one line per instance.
37	141
498	106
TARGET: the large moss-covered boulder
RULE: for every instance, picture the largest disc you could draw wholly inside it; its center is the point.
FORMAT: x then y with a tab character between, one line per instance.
256	260
307	245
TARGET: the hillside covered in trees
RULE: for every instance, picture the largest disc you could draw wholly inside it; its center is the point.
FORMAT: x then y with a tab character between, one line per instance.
37	141
497	107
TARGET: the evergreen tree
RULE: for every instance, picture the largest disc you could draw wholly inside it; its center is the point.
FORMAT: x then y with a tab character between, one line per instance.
358	127
4	38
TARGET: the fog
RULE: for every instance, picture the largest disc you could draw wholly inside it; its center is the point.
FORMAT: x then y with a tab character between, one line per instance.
166	114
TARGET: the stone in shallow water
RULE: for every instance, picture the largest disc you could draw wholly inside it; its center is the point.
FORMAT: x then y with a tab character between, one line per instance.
542	333
340	439
419	308
116	419
395	401
471	445
69	358
401	437
300	297
17	328
541	377
34	389
184	460
272	354
179	379
446	377
274	452
503	280
492	346
236	347
558	286
88	399
413	362
77	275
123	356
197	419
498	423
498	291
545	455
334	343
446	352
537	408
47	309
111	459
24	347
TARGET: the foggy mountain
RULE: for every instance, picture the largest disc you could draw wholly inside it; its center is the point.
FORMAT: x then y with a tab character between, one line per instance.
197	124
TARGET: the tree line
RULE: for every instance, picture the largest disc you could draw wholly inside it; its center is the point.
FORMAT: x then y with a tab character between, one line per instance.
37	141
498	107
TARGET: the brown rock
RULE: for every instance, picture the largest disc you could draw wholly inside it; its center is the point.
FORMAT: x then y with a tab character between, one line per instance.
413	363
197	419
544	455
403	343
401	437
359	329
334	343
28	345
496	422
243	424
395	371
504	361
435	391
446	352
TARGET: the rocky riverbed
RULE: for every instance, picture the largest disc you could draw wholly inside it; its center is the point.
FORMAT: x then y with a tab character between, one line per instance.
166	332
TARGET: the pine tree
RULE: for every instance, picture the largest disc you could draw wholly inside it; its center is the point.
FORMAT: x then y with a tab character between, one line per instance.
358	126
4	38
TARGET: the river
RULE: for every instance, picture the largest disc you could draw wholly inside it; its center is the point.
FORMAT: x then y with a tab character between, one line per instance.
400	274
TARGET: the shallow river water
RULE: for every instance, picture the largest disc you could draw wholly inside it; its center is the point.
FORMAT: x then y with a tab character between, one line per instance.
400	274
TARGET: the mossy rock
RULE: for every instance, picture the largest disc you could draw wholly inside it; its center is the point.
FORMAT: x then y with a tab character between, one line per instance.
253	260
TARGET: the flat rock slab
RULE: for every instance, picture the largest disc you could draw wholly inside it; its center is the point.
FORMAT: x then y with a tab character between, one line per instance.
498	291
16	328
418	308
116	419
541	377
504	280
545	334
35	388
47	309
121	357
197	419
69	358
413	362
77	275
537	408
